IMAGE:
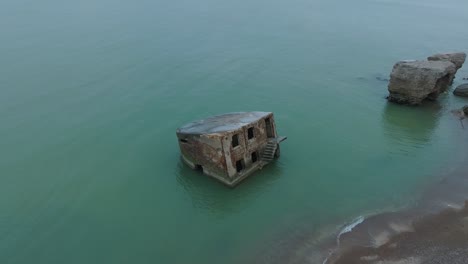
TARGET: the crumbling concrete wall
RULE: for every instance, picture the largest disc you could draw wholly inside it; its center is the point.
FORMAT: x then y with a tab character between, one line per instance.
246	146
215	154
204	150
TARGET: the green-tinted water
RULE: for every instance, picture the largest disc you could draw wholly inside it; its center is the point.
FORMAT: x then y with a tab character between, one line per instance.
91	93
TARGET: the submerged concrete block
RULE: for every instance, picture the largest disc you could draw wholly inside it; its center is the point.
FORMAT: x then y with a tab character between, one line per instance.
457	58
413	81
230	147
461	90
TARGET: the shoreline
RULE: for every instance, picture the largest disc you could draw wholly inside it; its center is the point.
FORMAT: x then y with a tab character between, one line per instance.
433	230
346	241
437	238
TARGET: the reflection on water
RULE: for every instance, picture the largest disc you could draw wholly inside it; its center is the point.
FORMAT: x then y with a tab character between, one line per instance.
374	78
208	194
410	126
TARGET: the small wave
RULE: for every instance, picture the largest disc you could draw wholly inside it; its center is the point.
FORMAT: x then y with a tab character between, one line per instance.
346	229
349	228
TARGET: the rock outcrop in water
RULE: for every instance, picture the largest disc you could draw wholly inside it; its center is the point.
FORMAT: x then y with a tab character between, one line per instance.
457	58
461	90
413	81
465	110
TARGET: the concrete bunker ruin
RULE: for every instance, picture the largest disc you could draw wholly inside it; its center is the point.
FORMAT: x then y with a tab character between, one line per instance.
230	147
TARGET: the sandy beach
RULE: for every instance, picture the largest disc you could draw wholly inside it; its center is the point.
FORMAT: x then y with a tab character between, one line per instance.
435	230
440	238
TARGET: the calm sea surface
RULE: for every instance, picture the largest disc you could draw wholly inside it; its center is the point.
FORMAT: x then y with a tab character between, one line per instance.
92	91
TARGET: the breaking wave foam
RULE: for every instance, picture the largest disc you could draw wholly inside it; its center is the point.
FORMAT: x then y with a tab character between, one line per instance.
344	230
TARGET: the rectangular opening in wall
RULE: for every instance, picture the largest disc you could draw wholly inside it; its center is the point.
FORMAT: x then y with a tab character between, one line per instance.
240	165
235	140
254	157
199	168
183	140
250	133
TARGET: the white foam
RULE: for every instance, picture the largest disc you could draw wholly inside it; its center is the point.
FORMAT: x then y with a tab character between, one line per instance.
346	229
349	228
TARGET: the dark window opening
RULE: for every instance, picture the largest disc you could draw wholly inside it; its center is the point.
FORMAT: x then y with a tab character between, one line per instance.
268	128
199	168
250	133
240	165
254	157
183	140
235	141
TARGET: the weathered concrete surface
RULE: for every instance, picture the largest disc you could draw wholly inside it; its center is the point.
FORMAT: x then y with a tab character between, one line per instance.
222	123
457	58
413	81
228	147
461	90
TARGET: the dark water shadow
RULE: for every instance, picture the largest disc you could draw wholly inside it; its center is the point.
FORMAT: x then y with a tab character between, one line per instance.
410	126
208	194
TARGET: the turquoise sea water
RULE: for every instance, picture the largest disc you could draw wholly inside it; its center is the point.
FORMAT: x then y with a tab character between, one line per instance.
91	93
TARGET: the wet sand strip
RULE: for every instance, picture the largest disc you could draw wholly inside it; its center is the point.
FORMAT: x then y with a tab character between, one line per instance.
439	238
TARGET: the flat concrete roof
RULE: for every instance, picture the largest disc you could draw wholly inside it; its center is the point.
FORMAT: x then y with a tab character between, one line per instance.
222	123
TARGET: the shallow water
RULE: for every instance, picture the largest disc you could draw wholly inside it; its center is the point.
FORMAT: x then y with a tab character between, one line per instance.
91	93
